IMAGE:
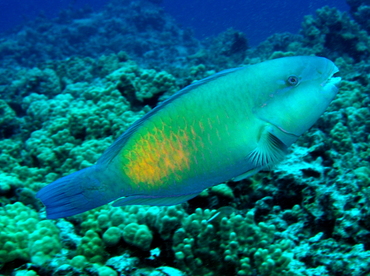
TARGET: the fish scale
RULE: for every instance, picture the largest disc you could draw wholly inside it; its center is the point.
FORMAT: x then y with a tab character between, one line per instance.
179	150
199	154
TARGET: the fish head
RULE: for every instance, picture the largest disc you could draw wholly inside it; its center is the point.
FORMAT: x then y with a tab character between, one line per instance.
297	91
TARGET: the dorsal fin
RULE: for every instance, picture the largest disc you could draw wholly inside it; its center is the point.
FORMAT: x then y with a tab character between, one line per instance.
115	148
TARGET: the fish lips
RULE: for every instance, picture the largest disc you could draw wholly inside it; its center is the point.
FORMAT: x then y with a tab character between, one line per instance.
333	80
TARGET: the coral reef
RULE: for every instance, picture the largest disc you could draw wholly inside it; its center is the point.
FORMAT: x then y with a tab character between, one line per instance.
60	111
360	10
24	237
332	33
236	241
142	28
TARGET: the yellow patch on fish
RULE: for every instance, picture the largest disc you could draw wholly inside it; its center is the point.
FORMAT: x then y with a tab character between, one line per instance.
156	156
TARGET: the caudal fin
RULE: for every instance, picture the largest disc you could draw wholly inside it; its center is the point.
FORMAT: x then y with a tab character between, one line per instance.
73	194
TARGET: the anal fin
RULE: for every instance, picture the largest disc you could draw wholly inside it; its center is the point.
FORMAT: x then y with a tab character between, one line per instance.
154	201
246	174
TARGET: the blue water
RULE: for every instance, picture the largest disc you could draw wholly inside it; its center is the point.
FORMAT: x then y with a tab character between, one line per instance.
15	12
257	19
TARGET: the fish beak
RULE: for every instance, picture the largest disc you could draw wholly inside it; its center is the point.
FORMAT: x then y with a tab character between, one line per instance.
335	81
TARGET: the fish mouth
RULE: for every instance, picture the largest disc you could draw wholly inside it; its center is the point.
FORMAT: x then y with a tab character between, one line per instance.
333	80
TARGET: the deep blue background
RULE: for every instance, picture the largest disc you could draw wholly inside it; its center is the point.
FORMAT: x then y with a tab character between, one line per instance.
258	19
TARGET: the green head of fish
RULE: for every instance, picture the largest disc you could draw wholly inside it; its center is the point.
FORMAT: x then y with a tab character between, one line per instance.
296	93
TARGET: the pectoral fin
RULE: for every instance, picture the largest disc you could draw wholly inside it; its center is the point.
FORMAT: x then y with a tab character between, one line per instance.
269	150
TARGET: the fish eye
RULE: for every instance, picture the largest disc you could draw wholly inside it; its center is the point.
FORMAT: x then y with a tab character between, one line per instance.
293	80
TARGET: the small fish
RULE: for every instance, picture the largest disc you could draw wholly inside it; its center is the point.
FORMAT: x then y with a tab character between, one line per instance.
221	213
228	126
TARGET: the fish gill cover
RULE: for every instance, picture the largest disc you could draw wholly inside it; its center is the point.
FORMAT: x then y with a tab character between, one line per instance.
71	85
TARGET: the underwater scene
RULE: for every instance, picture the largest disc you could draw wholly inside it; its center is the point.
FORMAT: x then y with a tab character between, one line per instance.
139	139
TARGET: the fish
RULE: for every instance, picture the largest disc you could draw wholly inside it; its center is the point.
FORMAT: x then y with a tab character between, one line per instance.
221	213
228	126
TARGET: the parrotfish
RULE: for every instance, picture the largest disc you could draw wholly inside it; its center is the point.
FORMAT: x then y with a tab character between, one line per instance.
225	127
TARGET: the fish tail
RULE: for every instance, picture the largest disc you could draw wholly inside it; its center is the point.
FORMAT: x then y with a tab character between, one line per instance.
73	194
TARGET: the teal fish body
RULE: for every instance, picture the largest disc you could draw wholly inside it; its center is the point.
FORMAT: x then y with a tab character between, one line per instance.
228	126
